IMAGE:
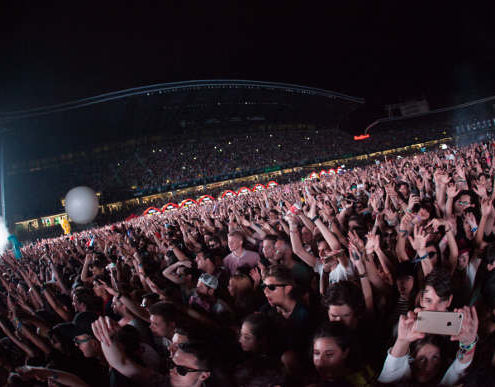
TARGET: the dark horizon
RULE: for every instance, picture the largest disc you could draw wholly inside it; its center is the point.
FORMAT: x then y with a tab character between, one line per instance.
385	54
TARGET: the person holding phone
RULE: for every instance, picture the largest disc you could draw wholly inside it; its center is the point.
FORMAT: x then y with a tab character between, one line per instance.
427	353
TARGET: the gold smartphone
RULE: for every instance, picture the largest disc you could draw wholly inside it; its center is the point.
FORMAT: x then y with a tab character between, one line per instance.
439	323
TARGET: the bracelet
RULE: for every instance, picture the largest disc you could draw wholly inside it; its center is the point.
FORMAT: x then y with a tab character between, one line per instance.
405	232
468	347
474	229
462	353
409	210
419	259
314	218
362	275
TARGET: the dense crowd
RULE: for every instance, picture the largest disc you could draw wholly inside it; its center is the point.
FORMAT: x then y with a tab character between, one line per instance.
161	166
314	283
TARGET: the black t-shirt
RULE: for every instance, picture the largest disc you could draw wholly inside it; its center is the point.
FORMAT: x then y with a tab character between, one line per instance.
293	332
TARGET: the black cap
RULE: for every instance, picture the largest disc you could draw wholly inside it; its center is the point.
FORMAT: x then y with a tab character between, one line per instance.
81	325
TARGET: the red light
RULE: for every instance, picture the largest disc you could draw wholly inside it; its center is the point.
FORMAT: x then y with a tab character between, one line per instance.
361	137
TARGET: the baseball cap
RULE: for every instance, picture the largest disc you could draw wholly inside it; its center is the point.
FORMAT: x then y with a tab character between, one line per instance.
80	325
209	280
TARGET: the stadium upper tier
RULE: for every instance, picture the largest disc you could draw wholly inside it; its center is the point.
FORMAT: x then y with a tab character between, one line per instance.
175	107
107	141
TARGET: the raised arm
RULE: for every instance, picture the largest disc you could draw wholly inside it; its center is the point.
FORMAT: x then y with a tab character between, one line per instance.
104	328
296	243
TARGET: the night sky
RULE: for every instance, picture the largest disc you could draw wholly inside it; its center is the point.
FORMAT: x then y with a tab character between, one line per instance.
382	51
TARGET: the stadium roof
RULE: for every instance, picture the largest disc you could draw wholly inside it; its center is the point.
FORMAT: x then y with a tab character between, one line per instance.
177	87
169	109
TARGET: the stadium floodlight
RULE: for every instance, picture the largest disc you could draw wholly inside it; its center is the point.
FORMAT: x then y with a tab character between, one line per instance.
4	236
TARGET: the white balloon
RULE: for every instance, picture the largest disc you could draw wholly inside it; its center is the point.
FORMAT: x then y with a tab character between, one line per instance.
81	204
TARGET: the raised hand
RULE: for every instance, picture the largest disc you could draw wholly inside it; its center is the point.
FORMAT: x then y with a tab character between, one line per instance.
103	329
356	240
469	328
441	178
452	190
407	333
486	207
420	238
480	190
255	275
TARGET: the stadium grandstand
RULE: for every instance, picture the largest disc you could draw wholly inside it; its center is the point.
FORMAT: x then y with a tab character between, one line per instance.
170	136
211	135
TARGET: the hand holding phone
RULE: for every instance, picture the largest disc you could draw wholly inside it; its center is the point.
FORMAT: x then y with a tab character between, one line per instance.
439	323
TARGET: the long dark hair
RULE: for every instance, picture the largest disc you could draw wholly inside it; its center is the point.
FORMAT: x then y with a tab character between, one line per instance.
344	338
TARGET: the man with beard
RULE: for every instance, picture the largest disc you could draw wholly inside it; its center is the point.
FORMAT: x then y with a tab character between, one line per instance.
289	314
205	299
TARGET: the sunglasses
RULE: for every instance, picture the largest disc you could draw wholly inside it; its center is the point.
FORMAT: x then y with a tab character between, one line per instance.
272	287
81	341
183	370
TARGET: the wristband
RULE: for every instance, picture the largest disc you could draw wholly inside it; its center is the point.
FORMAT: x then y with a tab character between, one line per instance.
462	353
474	229
419	259
468	347
314	218
362	275
405	232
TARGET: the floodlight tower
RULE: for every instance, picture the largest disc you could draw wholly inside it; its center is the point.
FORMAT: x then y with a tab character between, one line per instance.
2	179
